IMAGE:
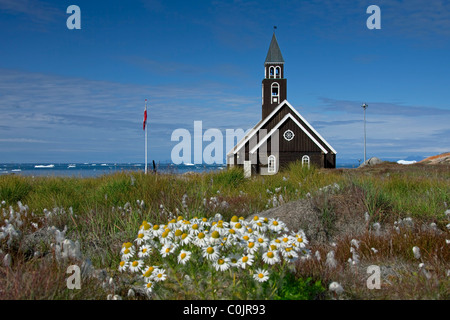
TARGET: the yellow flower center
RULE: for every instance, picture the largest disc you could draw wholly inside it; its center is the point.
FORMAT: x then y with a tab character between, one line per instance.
144	250
146	226
260	240
149	285
232	231
126	251
127	245
234	219
184	235
135	263
221	261
201	235
140	235
251	244
255	218
159	275
299	239
249	230
210	250
183	255
122	263
165	234
238	225
275	223
195	226
178	233
270	254
260	275
156	227
273	247
245	259
204	220
245	237
215	234
285	239
179	218
167	250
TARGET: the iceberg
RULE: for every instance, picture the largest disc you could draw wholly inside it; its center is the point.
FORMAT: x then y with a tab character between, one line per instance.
406	162
44	166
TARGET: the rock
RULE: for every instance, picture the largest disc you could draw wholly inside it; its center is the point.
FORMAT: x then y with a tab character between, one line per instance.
371	162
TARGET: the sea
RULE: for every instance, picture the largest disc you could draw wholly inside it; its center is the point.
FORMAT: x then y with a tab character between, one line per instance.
85	170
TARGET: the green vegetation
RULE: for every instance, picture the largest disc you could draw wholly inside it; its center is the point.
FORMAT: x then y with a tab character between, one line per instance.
104	212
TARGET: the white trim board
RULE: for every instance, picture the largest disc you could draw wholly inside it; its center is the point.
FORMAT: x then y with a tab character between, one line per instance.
263	122
286	117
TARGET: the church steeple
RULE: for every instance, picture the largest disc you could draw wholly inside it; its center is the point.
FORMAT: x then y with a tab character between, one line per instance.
274	83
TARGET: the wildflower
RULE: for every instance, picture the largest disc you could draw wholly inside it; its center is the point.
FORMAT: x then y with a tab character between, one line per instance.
160	275
416	252
200	239
195	228
276	225
157	230
167	249
140	237
222	264
127	253
270	257
211	253
336	288
234	260
289	253
149	287
355	243
215	238
148	272
144	251
186	238
136	265
246	260
252	247
123	265
184	256
331	262
263	241
261	275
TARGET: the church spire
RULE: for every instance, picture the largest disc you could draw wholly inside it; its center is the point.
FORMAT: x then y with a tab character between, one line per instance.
274	82
274	54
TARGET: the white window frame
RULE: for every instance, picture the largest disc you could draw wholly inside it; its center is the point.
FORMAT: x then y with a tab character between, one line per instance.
279	72
272	168
305	159
272	72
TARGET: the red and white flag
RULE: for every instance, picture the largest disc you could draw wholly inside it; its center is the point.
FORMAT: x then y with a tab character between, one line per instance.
145	114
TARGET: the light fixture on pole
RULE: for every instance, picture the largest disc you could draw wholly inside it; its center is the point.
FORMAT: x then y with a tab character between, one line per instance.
364	106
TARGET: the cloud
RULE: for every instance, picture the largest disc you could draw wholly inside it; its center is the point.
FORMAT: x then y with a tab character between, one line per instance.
82	114
34	10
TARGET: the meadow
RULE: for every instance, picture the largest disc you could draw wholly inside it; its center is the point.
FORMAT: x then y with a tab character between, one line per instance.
392	216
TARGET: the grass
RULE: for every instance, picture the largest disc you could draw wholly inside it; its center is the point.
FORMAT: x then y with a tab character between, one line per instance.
108	210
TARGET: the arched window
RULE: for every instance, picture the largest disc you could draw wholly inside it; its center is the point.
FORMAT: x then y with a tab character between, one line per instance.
272	164
275	92
277	72
271	72
305	160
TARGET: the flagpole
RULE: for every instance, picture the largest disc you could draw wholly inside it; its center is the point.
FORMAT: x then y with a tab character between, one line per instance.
146	138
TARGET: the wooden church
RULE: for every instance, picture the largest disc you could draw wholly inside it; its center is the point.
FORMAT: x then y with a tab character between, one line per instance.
283	135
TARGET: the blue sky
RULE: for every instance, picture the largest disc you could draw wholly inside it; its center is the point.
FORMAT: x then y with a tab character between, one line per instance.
78	95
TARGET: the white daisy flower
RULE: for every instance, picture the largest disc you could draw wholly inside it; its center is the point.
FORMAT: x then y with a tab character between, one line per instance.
148	272
127	253
215	237
200	239
136	265
159	275
222	264
144	251
263	241
289	253
261	275
211	253
246	260
167	249
149	287
184	256
276	225
252	246
270	257
157	230
234	260
186	238
123	265
166	236
195	228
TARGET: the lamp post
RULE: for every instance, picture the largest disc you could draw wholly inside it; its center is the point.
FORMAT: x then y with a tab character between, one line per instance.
364	106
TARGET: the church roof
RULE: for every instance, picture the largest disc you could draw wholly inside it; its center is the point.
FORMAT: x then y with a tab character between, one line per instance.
274	54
